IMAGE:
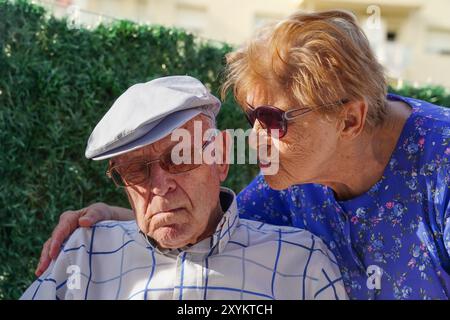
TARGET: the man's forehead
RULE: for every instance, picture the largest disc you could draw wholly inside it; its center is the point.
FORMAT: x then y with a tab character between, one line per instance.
156	148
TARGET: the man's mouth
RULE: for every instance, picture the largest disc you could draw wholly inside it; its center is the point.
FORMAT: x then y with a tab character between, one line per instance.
172	225
168	219
153	215
174	210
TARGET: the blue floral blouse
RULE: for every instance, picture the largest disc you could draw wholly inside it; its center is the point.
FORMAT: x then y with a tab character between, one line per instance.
392	242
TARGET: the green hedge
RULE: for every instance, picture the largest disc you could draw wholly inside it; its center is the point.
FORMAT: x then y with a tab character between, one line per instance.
434	94
56	82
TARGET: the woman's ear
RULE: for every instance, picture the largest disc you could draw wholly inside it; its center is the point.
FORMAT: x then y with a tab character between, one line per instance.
353	118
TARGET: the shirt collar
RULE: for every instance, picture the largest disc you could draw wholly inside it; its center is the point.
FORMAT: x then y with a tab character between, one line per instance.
217	242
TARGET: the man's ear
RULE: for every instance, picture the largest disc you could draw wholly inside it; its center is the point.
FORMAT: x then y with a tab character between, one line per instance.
223	148
352	118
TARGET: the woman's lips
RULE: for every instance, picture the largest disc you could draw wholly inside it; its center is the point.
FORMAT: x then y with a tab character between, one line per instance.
264	165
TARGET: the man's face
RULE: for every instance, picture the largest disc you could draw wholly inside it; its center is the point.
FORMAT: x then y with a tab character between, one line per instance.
175	209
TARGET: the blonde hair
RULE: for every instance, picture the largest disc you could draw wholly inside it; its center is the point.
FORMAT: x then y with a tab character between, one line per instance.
312	59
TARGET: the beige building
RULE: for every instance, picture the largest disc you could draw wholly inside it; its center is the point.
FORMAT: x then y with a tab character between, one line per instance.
411	37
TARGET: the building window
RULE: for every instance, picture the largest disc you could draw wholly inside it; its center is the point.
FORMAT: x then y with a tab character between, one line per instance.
262	19
391	36
191	18
438	41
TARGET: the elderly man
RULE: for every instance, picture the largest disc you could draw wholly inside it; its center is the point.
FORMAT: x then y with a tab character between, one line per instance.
187	241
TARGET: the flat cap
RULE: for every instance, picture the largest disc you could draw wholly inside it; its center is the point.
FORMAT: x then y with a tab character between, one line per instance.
148	112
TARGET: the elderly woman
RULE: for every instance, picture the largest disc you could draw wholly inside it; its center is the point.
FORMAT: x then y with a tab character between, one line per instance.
366	171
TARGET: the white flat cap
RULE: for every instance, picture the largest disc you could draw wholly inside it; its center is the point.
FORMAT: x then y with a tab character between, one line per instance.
148	112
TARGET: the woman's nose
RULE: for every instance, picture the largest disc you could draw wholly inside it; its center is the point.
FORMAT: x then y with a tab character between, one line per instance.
257	126
258	136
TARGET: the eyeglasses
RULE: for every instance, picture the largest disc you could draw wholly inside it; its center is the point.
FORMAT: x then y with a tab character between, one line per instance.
273	118
138	172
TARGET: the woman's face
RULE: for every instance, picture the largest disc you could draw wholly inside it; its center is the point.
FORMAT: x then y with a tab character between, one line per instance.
306	152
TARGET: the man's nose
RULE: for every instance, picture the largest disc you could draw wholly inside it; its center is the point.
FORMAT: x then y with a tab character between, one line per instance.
161	182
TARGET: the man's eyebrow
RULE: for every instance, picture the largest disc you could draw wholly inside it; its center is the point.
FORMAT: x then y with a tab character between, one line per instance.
122	161
132	159
167	147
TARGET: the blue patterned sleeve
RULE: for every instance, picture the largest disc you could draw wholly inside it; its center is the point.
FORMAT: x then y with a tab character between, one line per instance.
259	202
445	181
447	229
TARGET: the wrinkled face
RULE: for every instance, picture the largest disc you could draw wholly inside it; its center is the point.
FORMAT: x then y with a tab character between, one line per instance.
306	151
175	209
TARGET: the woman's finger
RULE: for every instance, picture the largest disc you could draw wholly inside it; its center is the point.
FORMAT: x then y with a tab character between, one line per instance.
68	223
44	260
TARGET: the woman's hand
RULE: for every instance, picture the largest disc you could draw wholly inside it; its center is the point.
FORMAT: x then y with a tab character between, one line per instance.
69	221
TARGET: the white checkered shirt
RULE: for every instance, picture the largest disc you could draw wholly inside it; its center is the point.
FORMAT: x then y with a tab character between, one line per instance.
243	259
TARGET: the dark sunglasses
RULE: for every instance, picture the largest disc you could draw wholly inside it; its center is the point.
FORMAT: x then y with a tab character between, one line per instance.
273	118
138	172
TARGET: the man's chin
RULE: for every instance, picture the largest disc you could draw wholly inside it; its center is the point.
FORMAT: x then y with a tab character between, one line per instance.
170	237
